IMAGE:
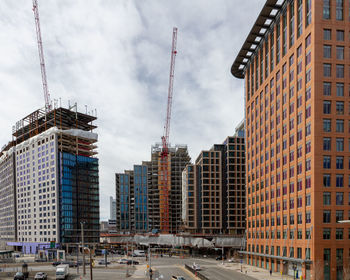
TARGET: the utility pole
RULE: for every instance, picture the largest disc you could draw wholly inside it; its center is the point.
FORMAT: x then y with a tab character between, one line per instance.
78	257
149	262
222	255
82	244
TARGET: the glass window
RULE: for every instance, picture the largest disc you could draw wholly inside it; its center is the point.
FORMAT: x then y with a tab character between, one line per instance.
340	164
340	52
339	215
326	233
327	51
339	183
327	34
326	162
326	216
326	125
327	180
327	107
326	144
326	198
326	9
339	199
340	89
340	70
340	126
326	69
340	35
339	108
339	10
327	88
340	144
339	233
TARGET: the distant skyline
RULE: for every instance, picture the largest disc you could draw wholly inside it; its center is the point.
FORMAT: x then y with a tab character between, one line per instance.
115	56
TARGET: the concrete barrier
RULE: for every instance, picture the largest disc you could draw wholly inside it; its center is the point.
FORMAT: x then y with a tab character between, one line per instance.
196	273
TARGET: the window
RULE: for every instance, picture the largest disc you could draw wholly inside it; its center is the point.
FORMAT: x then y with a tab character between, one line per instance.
339	10
340	126
326	216
327	88
326	162
339	182
327	51
340	107
340	89
326	233
339	215
326	69
339	144
339	199
327	107
308	41
326	9
300	18
340	70
326	144
340	163
327	35
326	125
308	12
327	180
339	232
340	35
340	52
326	198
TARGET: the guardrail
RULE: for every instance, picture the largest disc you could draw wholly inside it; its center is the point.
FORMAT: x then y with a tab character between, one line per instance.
196	272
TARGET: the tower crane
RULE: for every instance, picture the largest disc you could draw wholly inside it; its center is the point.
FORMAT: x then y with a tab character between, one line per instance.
41	57
165	180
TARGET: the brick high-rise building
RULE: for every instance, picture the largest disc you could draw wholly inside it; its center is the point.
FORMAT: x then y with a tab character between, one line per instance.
295	62
213	189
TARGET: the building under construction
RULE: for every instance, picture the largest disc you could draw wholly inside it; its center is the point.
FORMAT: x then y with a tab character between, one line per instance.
143	204
56	178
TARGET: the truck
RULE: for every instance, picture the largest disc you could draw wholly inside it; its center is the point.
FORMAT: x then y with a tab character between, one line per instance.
62	271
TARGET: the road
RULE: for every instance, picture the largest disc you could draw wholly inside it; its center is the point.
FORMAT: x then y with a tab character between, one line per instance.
167	267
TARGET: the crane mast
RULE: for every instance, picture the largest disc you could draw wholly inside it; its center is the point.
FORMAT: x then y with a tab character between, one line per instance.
41	56
165	180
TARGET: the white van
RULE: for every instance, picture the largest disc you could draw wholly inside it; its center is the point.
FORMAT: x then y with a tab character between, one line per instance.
138	253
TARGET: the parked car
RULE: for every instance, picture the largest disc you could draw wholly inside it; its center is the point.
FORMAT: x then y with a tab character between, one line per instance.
177	278
123	261
220	258
56	263
19	276
103	262
40	276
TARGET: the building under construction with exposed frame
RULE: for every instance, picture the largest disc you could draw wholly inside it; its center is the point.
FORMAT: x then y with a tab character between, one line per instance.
55	179
140	201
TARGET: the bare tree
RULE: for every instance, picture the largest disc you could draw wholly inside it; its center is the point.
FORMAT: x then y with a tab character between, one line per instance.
346	271
318	270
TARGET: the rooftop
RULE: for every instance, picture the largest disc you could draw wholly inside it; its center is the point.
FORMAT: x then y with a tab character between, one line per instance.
261	26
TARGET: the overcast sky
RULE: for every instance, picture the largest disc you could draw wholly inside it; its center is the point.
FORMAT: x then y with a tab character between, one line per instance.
114	55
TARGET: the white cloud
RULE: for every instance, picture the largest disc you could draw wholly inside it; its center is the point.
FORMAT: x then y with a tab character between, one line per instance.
114	56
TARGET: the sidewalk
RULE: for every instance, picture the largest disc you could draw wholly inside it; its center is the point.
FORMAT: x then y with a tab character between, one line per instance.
255	272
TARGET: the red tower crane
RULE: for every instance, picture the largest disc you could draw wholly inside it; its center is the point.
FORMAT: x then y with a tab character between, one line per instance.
165	180
41	57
